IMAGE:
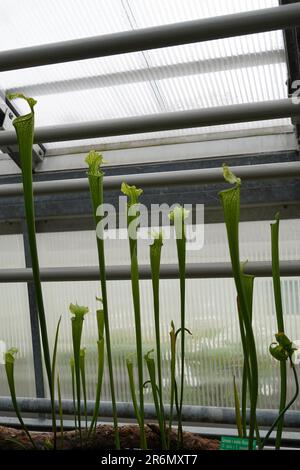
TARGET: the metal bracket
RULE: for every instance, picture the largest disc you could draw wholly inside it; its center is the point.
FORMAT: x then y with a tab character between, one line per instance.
7	115
292	51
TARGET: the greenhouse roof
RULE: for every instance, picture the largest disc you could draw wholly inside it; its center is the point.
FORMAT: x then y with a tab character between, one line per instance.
237	70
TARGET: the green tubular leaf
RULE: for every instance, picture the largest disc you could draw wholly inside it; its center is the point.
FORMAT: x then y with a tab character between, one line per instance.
285	342
133	194
77	324
155	257
83	382
278	352
155	392
100	347
95	177
237	407
229	176
286	408
60	411
172	378
53	366
78	310
9	369
100	323
31	101
230	199
248	284
178	215
246	372
72	366
276	273
280	322
94	160
129	365
284	349
24	126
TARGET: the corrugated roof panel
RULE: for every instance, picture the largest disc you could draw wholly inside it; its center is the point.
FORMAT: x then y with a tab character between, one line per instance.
235	70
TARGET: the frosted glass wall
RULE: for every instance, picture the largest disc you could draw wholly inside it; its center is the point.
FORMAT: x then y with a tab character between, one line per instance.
14	318
214	351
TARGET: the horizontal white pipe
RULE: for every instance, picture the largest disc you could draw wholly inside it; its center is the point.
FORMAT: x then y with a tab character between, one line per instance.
207	29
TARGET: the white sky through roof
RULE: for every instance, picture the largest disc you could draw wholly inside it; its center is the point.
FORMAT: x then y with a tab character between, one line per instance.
224	72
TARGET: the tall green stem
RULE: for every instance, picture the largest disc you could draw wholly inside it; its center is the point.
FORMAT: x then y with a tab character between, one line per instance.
231	207
72	366
100	348
285	409
9	368
77	325
53	366
237	407
60	411
172	379
24	126
280	322
129	365
133	194
95	177
155	256
178	215
83	382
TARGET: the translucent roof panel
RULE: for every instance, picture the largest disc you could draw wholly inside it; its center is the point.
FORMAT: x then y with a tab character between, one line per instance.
224	72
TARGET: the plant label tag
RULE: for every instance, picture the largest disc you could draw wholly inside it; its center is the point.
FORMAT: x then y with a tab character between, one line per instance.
235	443
2	352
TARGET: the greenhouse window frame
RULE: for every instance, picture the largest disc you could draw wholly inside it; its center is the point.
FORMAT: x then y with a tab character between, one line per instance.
150	38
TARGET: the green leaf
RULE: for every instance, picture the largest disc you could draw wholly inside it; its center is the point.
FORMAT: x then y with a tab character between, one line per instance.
94	161
60	411
78	310
230	199
53	365
280	323
132	192
72	366
132	195
100	348
9	368
178	215
286	408
237	407
24	126
173	337
155	258
229	176
83	382
129	365
95	177
77	323
31	101
284	350
155	389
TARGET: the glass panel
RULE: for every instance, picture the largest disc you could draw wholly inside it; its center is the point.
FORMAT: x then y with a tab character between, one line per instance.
15	320
213	353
